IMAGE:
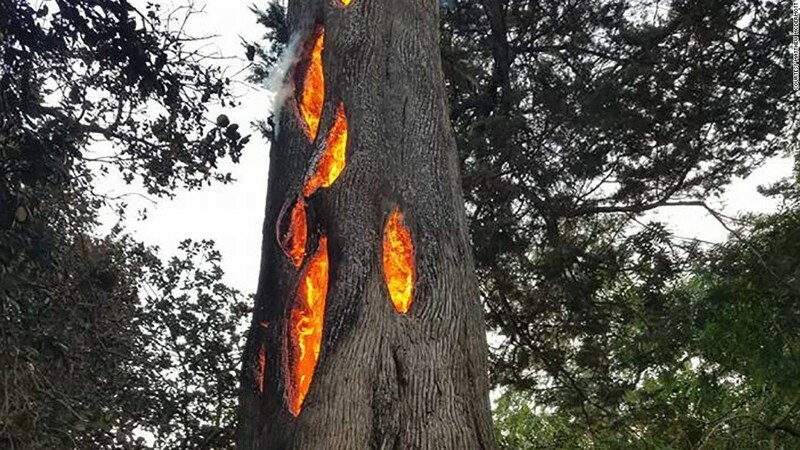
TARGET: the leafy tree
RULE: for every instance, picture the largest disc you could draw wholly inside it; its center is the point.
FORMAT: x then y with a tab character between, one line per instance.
732	380
575	119
190	326
110	347
748	309
103	345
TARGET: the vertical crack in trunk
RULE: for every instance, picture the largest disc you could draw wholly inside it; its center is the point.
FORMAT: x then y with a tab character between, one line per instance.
312	95
331	161
293	242
398	261
305	327
262	362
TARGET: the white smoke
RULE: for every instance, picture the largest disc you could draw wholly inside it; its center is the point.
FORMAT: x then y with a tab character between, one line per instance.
277	86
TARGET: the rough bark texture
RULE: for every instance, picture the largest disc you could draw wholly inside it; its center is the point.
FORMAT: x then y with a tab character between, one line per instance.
383	380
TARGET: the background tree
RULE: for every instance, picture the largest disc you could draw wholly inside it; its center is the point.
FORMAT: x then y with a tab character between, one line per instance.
590	115
732	379
103	345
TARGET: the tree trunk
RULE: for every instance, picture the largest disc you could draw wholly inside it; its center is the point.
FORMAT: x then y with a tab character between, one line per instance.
386	375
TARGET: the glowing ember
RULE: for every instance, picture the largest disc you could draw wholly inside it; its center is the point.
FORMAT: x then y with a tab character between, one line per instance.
305	332
398	261
313	93
294	242
262	362
332	161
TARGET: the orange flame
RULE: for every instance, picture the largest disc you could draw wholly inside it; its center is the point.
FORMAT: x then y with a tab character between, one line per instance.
262	363
313	93
398	261
332	161
294	242
305	332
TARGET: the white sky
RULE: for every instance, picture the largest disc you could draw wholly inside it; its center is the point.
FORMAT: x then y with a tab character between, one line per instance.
232	214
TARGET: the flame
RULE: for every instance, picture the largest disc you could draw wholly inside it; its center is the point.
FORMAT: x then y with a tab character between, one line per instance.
398	261
332	161
305	332
294	242
313	93
262	363
346	2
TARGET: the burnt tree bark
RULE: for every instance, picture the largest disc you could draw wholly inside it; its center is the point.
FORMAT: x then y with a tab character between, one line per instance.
382	379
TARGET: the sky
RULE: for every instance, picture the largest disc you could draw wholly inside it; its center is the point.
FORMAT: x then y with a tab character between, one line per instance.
232	214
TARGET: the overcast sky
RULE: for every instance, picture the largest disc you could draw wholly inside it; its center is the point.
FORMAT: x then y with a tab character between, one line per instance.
232	214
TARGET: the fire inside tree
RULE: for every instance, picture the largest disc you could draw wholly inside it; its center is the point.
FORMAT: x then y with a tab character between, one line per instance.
376	335
294	241
313	93
305	328
398	261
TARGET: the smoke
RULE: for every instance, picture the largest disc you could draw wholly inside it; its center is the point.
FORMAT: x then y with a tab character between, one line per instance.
278	87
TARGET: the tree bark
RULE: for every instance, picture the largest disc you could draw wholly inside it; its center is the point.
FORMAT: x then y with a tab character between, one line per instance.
383	379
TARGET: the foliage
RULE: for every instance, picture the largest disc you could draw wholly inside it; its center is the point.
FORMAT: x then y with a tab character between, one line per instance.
89	360
89	69
732	381
276	37
575	120
190	325
103	345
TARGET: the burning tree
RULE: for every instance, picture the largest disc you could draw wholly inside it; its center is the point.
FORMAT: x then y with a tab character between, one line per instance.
367	329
